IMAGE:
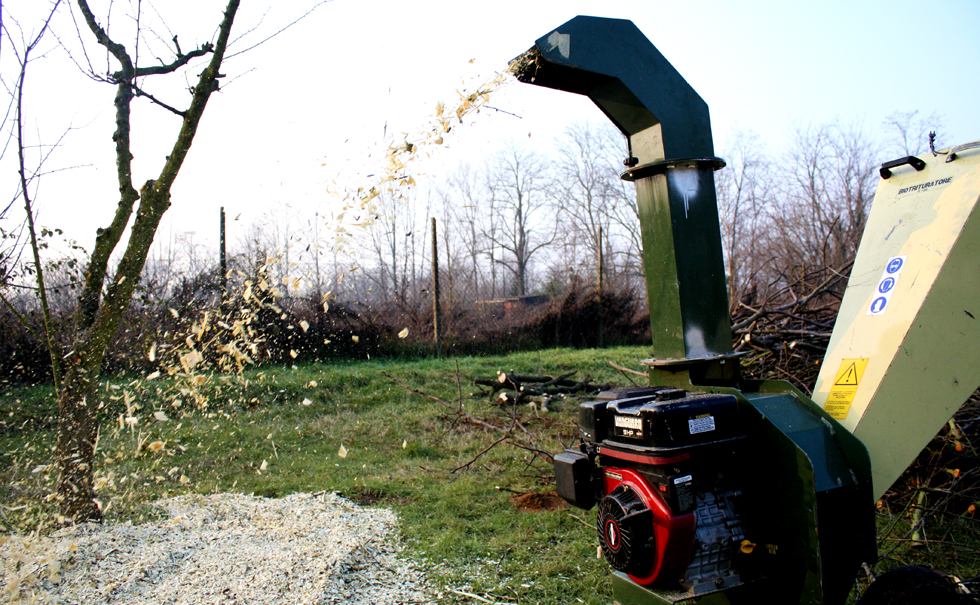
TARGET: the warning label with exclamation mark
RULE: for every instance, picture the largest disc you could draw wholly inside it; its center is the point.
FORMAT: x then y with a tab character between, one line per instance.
845	386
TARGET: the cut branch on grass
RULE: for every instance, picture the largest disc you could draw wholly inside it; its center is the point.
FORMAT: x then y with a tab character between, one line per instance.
585	385
478	456
479	598
517	379
509	434
526	387
626	372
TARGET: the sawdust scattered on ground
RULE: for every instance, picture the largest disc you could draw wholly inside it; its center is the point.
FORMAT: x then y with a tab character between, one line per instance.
222	548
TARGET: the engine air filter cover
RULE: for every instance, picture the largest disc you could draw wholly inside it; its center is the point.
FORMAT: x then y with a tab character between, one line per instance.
575	479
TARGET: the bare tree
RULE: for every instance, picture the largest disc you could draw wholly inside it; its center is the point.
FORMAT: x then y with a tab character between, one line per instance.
825	190
26	180
583	187
594	199
317	254
467	217
161	271
744	193
396	241
276	235
105	297
907	133
454	255
517	181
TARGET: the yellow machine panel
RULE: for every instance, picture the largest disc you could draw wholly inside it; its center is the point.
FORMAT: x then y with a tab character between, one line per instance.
905	351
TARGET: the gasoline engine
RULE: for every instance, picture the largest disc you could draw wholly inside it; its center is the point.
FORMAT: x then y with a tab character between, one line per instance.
713	488
658	461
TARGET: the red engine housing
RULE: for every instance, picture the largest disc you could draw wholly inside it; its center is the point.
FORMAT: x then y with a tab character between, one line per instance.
673	534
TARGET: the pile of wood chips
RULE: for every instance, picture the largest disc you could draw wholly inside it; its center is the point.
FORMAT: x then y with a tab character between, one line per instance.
221	548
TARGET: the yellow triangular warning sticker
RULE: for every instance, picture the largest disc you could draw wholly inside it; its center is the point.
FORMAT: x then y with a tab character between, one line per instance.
845	387
847	377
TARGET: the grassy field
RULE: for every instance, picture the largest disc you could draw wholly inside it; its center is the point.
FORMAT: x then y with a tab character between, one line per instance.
347	428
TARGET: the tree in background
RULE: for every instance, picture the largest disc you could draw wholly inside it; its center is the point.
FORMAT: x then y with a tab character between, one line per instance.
824	194
469	216
397	240
593	199
908	132
584	194
517	180
803	215
745	192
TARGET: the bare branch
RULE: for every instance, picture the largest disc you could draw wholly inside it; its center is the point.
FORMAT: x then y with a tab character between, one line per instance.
479	455
90	71
835	277
177	63
142	93
39	272
626	372
155	194
117	50
266	39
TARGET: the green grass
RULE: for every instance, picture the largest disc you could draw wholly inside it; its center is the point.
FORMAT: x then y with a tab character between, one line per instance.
401	449
401	452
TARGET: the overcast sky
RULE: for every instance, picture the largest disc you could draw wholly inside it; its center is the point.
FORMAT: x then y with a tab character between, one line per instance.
298	110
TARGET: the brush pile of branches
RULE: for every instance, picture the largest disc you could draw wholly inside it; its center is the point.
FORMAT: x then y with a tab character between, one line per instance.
785	333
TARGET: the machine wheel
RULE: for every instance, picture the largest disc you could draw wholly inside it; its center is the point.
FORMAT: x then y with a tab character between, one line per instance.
914	586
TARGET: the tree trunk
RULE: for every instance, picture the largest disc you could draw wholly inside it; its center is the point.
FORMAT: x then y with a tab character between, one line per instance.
78	399
77	440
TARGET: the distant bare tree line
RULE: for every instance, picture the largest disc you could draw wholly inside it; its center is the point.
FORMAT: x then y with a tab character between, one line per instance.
802	210
522	222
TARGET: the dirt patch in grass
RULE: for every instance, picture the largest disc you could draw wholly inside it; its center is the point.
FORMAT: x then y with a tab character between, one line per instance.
369	496
537	502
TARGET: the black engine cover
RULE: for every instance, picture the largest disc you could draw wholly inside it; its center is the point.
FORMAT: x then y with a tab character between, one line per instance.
666	420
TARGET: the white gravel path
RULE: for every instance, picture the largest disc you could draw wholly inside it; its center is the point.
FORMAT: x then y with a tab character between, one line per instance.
223	548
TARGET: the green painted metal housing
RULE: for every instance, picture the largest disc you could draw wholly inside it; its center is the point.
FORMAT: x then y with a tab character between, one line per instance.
671	161
806	481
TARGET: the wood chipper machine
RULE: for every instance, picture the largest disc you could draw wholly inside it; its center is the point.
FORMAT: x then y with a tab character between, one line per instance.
713	488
